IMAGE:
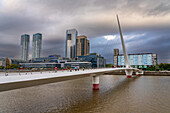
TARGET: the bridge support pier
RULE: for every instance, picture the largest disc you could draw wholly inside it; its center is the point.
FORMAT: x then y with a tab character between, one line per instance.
95	81
129	73
137	73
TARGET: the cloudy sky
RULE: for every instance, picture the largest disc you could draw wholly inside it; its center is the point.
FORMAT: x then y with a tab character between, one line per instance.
145	25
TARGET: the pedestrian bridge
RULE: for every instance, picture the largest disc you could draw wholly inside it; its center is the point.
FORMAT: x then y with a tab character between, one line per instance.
28	79
18	80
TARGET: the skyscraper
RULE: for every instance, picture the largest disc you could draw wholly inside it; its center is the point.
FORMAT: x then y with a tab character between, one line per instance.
25	41
115	57
70	47
116	52
36	45
82	46
88	47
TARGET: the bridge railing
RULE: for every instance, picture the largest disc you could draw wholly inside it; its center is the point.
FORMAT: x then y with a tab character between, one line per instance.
9	72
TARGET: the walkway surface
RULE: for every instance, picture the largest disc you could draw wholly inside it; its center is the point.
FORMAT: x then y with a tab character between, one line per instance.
26	76
28	79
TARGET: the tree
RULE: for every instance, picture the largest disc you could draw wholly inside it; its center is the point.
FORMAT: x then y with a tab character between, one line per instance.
1	67
13	66
7	63
151	68
109	65
164	66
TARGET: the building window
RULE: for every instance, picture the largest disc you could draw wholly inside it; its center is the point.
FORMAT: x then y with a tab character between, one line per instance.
82	45
68	36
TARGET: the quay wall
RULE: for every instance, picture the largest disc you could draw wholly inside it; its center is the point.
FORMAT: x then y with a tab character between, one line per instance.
146	73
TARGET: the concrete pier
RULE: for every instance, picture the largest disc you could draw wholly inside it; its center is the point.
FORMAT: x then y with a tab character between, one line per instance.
129	73
95	82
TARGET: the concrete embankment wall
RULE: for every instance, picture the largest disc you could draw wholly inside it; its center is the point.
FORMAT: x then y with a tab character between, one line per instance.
146	73
156	73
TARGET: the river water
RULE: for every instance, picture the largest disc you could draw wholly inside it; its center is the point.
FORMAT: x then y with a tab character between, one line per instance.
117	94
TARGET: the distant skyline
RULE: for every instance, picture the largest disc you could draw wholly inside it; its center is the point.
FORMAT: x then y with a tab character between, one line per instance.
145	25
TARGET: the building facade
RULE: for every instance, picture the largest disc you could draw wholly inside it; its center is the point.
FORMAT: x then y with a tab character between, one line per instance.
140	60
17	61
96	59
88	47
40	65
54	61
86	65
6	62
36	45
71	46
82	46
115	57
3	62
116	52
51	61
25	41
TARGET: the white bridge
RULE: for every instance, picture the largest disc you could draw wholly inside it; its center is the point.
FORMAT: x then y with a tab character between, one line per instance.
27	79
15	80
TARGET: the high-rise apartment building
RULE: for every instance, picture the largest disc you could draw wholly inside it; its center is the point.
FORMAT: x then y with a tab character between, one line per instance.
82	46
70	47
88	47
25	41
116	52
36	45
115	57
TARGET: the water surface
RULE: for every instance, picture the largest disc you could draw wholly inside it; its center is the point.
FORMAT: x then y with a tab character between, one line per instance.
117	94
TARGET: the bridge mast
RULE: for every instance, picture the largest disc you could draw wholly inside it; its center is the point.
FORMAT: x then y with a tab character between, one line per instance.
123	45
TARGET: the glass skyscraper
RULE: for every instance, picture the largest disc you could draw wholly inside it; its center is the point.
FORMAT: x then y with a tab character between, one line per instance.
70	47
25	41
36	45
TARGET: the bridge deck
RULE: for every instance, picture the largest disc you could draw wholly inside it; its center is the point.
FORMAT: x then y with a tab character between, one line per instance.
14	80
27	76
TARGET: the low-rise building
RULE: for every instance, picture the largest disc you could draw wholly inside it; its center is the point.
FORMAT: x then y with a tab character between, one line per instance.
55	61
138	60
3	62
96	59
17	61
40	65
78	64
6	62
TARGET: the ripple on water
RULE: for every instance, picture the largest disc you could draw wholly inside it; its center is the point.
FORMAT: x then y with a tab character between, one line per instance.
145	94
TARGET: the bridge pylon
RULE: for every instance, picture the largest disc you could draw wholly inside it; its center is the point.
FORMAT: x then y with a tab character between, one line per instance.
127	64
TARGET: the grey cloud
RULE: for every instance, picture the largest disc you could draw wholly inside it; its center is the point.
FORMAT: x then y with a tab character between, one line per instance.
161	9
95	29
152	43
12	25
68	7
53	47
10	51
